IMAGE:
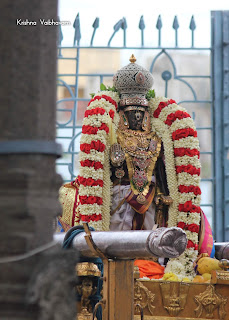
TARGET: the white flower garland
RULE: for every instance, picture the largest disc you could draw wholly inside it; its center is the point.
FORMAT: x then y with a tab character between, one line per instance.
185	160
98	213
182	266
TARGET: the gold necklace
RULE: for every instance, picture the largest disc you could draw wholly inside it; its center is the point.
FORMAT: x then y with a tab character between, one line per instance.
141	152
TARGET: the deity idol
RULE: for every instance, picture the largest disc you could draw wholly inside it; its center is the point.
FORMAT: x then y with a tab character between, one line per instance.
139	167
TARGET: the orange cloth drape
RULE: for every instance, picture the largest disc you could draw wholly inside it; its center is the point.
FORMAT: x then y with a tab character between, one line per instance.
149	269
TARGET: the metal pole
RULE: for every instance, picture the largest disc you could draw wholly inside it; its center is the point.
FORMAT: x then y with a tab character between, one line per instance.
163	242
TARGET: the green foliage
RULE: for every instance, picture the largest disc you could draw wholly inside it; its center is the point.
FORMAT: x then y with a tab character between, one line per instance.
112	89
92	95
104	88
150	94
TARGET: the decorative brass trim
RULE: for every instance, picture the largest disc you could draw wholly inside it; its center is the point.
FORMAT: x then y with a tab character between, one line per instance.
67	196
209	301
143	297
137	317
224	264
174	296
222	275
87	269
86	289
84	316
130	108
132	58
134	100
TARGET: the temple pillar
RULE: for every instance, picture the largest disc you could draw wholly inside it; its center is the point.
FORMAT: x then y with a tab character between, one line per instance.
28	180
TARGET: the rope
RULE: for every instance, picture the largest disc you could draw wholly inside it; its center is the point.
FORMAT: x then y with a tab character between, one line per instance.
28	254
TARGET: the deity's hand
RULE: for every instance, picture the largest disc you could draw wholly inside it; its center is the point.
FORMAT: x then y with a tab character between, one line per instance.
117	155
161	198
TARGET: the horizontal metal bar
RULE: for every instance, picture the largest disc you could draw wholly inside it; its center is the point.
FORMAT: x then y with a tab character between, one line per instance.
206	205
79	127
70	127
180	76
88	99
71	152
195	101
204	128
70	137
67	58
85	74
66	99
209	179
206	152
139	48
63	163
64	110
30	147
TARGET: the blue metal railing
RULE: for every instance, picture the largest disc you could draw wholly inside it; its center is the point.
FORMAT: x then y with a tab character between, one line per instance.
69	130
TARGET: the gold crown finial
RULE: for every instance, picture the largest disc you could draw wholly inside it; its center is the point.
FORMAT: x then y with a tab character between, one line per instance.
132	59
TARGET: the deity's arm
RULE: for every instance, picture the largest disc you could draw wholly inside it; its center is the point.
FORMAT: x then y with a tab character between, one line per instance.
117	155
160	173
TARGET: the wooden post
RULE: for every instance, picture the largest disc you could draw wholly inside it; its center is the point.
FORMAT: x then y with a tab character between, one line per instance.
118	290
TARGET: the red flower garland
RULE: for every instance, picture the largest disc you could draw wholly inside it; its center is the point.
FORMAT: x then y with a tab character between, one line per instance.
96	145
180	152
88	218
90	182
189	169
90	200
161	106
190	244
87	129
188	206
191	227
177	115
89	163
94	111
111	114
107	98
183	133
186	189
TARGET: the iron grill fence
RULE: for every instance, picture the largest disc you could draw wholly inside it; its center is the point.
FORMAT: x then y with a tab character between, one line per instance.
191	75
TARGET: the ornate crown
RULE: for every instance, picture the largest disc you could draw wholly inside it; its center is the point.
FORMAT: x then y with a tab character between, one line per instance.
133	82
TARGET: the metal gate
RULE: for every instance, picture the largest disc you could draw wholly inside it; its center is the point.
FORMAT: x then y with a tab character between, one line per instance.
196	77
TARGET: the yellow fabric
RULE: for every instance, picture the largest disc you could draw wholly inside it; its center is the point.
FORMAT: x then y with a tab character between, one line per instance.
113	137
67	194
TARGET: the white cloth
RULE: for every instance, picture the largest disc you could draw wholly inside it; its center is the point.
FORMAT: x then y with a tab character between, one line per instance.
123	217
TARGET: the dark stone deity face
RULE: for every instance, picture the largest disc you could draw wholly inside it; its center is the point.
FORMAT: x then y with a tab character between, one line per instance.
135	118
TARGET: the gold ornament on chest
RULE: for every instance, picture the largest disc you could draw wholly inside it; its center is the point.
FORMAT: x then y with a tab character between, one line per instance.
139	144
141	152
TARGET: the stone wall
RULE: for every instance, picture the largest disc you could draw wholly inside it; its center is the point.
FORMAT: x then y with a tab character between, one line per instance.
28	180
